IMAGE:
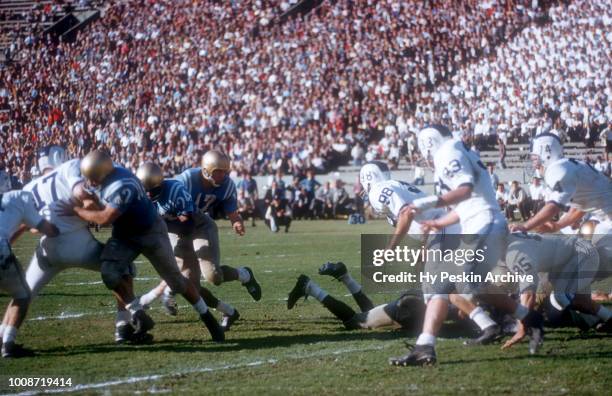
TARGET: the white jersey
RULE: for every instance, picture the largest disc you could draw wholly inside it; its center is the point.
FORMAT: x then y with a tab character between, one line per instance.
576	184
56	186
391	196
17	207
455	166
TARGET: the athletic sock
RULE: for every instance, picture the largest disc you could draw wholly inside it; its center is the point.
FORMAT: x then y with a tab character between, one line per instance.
123	317
1	330
350	283
364	302
313	290
148	298
243	275
200	306
604	313
520	312
426	339
481	318
134	306
338	308
225	308
10	333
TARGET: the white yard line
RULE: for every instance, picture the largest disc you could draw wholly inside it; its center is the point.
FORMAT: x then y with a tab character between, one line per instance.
197	370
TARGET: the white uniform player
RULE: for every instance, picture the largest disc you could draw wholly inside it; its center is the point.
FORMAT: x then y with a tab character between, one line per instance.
56	254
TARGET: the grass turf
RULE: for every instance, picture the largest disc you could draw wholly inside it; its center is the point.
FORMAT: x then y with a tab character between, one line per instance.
272	350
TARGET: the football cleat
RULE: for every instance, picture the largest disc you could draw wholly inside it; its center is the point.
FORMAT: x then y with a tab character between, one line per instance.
489	335
252	286
123	333
419	355
333	269
298	291
605	327
228	320
142	323
534	322
169	304
12	350
216	332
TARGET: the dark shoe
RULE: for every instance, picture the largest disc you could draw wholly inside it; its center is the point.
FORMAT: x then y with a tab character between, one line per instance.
169	304
124	333
605	327
142	323
298	291
489	335
228	320
420	355
252	286
12	350
333	269
216	332
534	322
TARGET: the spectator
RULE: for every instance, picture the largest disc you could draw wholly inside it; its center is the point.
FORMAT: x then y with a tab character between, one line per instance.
246	207
494	178
419	175
278	214
340	200
323	205
517	200
502	196
537	194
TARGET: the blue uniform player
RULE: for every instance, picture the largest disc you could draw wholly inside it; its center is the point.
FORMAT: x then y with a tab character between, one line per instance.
211	187
137	229
175	205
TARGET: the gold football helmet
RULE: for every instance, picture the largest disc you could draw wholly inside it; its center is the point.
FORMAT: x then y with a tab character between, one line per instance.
96	166
214	160
150	175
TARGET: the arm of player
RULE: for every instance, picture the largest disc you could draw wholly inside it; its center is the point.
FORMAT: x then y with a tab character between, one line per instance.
455	196
545	214
437	224
573	216
237	222
402	226
47	228
528	299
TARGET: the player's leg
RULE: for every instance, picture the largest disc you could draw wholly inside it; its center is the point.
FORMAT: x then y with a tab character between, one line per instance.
157	248
340	273
206	247
490	331
13	282
39	272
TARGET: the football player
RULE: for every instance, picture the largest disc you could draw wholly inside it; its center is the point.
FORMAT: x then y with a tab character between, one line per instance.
136	229
576	186
61	180
571	264
392	198
211	188
175	206
16	207
464	184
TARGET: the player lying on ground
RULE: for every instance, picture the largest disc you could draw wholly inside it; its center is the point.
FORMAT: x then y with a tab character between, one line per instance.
16	207
211	188
137	229
175	206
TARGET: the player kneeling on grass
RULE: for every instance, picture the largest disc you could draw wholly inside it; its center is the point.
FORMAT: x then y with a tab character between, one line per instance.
16	207
571	264
137	229
175	206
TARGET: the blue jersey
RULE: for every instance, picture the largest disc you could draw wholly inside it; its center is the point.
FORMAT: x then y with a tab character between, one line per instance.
173	200
123	191
208	199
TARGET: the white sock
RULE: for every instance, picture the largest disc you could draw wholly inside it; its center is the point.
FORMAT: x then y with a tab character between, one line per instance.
313	290
521	312
123	317
167	291
481	318
604	313
243	275
350	283
273	226
148	298
225	308
200	307
426	339
134	306
10	333
1	330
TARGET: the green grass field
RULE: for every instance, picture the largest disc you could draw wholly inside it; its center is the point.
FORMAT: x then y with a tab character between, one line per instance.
272	350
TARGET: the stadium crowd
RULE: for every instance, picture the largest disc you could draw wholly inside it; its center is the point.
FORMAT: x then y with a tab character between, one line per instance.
170	79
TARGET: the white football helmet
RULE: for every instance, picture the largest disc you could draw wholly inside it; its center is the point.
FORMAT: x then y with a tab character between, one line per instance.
50	157
5	182
431	138
372	173
546	148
